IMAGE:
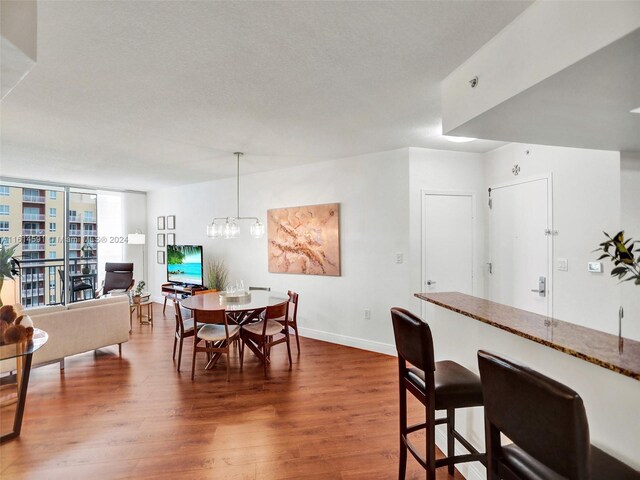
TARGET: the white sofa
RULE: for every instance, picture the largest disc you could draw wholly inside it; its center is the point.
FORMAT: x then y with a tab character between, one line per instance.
80	327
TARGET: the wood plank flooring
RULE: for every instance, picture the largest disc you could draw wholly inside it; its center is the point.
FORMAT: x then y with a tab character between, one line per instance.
332	416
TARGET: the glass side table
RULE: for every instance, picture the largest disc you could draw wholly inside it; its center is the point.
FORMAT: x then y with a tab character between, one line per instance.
137	304
16	357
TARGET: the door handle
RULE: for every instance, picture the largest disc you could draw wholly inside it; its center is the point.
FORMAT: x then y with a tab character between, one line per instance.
430	282
542	287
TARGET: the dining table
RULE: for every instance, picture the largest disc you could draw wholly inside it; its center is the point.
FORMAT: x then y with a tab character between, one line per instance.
240	312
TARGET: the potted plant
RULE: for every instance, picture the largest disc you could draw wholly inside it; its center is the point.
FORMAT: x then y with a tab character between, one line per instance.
217	274
87	252
621	254
140	287
137	294
7	265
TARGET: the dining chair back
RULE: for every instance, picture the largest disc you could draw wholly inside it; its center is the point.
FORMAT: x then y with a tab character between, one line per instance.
184	329
217	334
547	423
259	336
293	315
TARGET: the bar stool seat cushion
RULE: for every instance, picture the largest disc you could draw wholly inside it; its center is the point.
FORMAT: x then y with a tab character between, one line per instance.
215	333
455	385
603	466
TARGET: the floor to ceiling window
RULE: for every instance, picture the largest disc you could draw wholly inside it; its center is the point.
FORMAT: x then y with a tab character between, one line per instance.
26	214
56	230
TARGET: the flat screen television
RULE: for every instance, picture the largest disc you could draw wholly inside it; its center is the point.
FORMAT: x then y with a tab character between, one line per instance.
184	264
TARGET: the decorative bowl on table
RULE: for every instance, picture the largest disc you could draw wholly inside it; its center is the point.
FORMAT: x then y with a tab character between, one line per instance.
234	297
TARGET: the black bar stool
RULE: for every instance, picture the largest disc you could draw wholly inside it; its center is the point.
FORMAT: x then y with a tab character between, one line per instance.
444	385
547	422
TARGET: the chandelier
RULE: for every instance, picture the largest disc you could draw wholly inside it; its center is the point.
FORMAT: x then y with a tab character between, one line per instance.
227	227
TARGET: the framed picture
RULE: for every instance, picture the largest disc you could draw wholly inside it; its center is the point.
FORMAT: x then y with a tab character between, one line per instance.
171	222
305	240
161	240
161	223
171	238
160	256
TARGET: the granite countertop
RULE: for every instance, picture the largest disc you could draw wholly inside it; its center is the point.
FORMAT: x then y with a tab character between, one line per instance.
586	343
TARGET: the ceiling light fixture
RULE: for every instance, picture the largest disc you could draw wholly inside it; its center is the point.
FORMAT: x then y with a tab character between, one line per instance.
459	139
227	227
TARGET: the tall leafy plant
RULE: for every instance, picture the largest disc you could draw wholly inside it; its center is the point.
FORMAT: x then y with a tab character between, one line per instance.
217	274
623	256
6	264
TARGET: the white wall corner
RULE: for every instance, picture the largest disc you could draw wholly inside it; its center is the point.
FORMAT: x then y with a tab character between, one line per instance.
545	39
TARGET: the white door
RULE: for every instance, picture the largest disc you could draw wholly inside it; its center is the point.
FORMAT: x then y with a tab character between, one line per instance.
448	243
519	245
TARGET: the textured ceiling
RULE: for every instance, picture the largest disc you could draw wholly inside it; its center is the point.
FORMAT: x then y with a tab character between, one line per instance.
143	95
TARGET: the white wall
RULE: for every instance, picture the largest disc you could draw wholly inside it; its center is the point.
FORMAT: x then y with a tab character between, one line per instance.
586	201
373	196
630	223
380	196
444	171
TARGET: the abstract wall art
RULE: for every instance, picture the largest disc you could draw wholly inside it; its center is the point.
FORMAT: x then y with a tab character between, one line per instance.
305	240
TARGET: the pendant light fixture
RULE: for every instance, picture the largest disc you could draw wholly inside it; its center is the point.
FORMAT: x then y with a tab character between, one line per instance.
227	227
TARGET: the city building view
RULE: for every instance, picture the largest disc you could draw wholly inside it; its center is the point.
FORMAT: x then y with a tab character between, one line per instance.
38	221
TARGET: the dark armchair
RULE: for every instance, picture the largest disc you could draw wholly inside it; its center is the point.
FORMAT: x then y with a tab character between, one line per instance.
119	276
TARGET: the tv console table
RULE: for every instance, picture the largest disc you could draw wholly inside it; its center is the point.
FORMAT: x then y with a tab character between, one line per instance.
172	290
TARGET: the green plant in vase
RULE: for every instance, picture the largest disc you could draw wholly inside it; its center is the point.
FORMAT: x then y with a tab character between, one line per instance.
6	265
622	254
140	287
217	274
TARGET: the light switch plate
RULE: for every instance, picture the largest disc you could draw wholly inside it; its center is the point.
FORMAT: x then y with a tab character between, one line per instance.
563	264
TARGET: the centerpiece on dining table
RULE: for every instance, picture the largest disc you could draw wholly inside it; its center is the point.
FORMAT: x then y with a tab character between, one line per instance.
235	293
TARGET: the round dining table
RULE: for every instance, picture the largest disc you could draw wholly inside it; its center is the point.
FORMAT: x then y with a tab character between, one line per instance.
240	312
258	301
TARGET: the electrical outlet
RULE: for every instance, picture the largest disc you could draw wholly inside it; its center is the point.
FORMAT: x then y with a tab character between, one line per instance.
399	258
367	314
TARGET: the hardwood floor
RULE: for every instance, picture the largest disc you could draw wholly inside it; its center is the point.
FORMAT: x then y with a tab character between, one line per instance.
332	416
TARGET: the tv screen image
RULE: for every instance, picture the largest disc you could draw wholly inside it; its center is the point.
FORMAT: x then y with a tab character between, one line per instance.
184	264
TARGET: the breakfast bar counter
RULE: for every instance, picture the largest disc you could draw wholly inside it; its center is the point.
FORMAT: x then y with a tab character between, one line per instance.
594	346
586	360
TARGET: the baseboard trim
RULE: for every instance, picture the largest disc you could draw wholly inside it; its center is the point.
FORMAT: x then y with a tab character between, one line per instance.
355	342
470	471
